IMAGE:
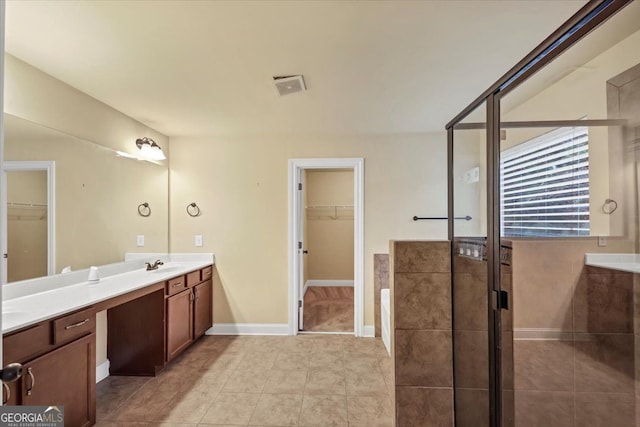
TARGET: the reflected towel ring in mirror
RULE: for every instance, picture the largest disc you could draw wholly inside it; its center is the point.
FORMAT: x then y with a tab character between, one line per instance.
609	206
193	209
144	209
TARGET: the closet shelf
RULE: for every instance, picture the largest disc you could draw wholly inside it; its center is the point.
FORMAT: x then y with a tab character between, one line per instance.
333	212
26	211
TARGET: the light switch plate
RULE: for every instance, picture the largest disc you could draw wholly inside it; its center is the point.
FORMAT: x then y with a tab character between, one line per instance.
602	240
198	240
140	240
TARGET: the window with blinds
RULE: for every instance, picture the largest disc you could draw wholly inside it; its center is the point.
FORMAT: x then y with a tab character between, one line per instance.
545	185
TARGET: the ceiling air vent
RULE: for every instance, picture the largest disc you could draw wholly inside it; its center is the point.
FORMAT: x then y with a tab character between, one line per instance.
289	84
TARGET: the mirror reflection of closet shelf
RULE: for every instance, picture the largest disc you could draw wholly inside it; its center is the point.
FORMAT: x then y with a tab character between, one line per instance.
26	211
329	212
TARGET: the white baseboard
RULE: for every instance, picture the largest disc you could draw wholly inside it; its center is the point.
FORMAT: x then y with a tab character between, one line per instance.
249	329
102	371
328	283
369	331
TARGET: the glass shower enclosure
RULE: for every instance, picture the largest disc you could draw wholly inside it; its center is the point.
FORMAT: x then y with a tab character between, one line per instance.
544	224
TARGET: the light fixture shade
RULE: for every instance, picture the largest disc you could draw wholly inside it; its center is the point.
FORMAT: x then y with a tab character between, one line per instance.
155	153
149	150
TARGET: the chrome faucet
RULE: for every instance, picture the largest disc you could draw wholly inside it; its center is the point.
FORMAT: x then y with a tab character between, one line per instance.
154	266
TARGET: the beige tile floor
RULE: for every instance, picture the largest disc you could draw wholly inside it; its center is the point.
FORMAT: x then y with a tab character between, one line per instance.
307	380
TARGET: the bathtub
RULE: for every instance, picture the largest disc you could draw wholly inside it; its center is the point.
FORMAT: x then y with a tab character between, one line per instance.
385	319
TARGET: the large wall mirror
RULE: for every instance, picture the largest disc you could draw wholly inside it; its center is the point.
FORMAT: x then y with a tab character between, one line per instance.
95	193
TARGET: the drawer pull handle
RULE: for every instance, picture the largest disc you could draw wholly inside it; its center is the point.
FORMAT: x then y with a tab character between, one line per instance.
75	325
7	395
176	284
33	381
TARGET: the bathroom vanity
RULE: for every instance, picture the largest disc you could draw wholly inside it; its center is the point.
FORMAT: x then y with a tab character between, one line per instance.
153	316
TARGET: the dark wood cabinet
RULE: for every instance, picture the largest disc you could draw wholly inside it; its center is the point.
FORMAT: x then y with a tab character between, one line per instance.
58	366
189	313
66	377
202	313
179	323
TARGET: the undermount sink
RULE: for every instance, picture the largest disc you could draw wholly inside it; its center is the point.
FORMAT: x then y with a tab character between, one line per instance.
169	269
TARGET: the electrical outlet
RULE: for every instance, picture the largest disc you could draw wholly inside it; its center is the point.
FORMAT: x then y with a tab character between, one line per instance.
198	240
602	240
140	240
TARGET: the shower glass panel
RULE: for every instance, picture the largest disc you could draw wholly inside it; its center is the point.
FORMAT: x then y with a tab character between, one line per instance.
568	194
470	286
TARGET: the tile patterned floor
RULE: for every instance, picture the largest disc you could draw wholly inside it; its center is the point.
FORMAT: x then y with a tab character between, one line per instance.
307	380
328	309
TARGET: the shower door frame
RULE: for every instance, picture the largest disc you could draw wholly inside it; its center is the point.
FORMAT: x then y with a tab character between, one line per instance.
589	17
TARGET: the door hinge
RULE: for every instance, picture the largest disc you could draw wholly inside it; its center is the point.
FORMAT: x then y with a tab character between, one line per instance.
299	303
299	186
5	256
299	245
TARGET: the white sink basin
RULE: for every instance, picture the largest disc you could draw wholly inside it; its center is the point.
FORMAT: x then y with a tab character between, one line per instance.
169	269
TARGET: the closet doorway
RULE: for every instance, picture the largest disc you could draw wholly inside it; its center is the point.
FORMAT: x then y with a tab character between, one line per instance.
326	246
327	294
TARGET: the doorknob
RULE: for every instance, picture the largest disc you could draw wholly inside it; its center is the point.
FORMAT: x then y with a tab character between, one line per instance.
11	372
305	252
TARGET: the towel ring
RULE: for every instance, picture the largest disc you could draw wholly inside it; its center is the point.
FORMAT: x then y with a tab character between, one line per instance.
609	206
144	209
193	209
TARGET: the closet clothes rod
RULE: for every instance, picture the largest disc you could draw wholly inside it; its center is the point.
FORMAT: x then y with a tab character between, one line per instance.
328	206
25	205
420	218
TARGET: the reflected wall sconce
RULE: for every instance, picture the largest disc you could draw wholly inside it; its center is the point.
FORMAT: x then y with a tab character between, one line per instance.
149	150
193	209
144	209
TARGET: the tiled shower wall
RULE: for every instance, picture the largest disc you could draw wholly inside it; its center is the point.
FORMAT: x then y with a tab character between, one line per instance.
471	339
420	286
574	336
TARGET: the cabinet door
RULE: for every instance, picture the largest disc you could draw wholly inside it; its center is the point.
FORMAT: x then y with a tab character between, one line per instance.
179	325
202	314
65	377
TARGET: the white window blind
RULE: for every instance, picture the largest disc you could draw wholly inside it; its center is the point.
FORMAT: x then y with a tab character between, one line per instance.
545	185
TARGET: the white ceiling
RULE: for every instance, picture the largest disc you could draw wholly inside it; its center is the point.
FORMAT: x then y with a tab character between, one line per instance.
206	67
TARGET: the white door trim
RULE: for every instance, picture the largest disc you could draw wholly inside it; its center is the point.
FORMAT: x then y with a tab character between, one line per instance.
357	164
50	168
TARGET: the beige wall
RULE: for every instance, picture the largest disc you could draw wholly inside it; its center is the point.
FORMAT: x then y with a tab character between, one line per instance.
582	93
329	237
26	226
241	186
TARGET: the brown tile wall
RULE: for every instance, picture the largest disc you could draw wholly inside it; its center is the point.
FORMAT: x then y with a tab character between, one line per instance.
421	337
471	364
380	281
574	336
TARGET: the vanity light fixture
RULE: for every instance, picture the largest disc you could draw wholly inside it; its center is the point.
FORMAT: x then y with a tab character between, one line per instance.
149	149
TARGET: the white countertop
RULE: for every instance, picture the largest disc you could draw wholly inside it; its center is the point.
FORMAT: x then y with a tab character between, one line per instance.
29	309
622	262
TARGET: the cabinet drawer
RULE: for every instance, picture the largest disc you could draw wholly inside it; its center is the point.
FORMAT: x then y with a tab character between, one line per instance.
207	272
21	345
176	285
193	278
73	326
